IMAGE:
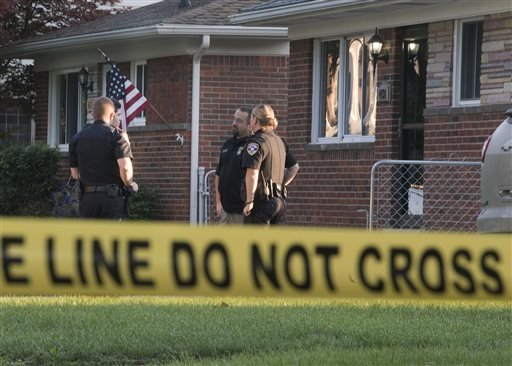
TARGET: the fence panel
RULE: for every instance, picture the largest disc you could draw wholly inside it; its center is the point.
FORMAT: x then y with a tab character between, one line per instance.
425	195
207	213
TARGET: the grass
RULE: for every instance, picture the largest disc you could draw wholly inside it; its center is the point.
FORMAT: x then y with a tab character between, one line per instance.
251	331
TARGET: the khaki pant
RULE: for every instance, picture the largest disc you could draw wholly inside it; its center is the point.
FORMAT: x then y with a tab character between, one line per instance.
231	218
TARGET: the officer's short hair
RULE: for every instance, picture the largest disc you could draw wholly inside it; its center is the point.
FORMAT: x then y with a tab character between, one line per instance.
246	110
100	106
265	116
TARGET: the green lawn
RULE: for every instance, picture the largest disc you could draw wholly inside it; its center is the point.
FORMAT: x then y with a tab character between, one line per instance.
252	331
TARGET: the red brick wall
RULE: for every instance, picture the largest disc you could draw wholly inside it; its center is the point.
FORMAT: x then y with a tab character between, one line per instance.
160	161
41	106
388	113
169	89
228	82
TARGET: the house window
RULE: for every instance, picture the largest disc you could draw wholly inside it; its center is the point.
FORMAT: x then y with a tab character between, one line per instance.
468	53
138	78
344	94
67	113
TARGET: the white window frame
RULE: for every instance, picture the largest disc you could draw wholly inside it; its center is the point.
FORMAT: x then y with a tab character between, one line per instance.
316	94
457	51
138	121
53	84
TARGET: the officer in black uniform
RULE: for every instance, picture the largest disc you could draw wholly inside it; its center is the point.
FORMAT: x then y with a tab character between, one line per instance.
100	157
264	161
229	175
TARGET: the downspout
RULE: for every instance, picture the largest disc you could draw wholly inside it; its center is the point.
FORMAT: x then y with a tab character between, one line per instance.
194	148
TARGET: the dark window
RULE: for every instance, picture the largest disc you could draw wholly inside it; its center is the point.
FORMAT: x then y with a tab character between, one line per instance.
471	51
68	107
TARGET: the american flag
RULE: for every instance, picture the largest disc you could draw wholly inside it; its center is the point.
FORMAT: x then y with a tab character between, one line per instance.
120	88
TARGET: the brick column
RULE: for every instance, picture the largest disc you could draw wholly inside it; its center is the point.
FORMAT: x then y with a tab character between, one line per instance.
496	67
439	67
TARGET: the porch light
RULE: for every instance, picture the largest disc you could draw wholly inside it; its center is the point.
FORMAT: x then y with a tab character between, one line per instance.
412	51
84	79
375	47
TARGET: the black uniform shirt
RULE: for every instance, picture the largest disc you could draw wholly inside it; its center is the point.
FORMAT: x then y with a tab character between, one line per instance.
231	175
95	150
265	151
290	159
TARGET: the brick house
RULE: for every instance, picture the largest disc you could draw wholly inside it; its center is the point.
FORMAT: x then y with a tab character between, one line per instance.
194	67
445	88
339	111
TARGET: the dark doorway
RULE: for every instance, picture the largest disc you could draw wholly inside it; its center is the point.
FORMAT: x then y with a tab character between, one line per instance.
408	192
414	70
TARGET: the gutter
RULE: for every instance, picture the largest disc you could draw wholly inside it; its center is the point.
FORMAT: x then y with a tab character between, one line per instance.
319	7
291	10
162	29
194	143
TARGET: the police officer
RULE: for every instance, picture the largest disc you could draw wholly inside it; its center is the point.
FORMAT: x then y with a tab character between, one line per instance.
264	162
100	157
229	175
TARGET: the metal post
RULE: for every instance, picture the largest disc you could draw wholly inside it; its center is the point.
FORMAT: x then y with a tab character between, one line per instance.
200	189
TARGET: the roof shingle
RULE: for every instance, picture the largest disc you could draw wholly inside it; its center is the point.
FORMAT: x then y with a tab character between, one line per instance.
202	12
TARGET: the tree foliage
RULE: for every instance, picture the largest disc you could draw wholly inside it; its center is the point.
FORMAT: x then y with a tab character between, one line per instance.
22	19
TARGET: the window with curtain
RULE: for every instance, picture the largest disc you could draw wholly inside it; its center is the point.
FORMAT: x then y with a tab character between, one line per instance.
345	91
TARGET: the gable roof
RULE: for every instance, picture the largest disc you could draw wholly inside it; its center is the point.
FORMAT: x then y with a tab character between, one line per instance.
201	12
165	17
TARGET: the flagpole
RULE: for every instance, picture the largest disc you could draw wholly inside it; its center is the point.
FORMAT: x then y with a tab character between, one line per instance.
153	108
159	115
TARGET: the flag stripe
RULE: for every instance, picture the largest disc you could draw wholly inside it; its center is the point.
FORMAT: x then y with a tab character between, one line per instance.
137	106
123	90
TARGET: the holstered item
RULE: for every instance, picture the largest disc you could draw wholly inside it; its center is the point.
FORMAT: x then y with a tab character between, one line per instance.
264	189
128	194
279	190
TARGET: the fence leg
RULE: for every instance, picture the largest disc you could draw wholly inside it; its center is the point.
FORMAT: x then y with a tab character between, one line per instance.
201	208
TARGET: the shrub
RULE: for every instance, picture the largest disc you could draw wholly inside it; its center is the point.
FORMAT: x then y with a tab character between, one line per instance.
144	203
65	200
27	176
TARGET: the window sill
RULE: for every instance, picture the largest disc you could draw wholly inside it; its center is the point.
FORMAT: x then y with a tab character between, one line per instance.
340	146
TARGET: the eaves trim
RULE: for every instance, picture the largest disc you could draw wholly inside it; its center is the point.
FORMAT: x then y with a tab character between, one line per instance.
179	30
292	10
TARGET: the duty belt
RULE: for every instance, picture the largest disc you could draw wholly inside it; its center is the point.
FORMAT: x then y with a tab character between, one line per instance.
113	188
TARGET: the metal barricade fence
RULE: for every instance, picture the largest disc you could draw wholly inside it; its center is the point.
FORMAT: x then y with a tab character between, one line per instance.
424	195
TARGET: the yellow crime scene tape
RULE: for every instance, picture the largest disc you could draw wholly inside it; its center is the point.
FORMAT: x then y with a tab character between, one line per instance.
56	257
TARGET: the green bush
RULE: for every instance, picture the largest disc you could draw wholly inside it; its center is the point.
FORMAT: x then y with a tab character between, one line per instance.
27	176
144	203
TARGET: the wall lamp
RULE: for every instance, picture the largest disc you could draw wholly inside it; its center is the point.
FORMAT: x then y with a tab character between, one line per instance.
84	80
412	51
375	47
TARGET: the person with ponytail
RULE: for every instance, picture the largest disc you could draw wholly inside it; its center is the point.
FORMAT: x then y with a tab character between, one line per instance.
263	161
